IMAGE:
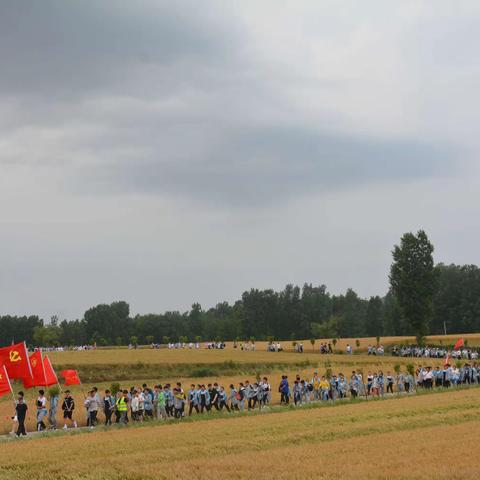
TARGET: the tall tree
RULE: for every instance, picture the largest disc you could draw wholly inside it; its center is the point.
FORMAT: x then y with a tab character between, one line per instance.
374	320
195	320
413	280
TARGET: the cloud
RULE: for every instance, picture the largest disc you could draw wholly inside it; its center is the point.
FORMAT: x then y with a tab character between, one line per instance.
64	49
145	143
265	165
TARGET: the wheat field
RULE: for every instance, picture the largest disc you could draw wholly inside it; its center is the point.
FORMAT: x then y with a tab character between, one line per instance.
399	438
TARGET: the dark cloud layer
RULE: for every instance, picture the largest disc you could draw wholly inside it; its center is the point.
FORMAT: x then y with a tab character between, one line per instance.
65	48
266	165
211	144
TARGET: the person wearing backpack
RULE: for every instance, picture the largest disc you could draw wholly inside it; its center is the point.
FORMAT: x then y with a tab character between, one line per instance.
68	406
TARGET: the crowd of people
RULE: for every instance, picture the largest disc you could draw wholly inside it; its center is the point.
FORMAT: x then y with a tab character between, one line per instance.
274	347
139	404
194	346
434	352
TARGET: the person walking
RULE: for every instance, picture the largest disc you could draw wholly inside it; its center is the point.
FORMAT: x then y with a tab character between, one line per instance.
121	406
21	413
52	412
68	406
192	400
91	406
108	407
42	411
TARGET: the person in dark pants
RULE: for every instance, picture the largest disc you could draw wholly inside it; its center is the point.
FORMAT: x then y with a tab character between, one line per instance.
21	412
108	407
212	391
193	400
284	390
389	383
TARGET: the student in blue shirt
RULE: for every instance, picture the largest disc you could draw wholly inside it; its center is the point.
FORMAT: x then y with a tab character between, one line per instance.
148	403
203	399
192	400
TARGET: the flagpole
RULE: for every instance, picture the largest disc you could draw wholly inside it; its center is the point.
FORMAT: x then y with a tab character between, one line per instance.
28	361
9	383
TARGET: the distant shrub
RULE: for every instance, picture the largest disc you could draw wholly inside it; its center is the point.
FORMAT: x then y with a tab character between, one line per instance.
203	372
114	388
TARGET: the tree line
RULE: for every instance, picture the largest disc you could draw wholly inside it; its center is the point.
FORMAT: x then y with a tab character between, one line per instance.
422	299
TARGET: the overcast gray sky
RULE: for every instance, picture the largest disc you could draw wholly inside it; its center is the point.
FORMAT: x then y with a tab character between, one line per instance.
171	152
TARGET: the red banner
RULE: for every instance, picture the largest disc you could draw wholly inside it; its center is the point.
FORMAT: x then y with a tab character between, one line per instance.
5	387
15	359
71	377
50	375
38	372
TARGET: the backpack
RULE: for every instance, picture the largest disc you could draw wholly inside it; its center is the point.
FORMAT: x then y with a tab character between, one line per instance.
238	396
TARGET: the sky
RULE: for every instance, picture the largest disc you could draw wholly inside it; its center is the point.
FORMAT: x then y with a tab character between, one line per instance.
166	153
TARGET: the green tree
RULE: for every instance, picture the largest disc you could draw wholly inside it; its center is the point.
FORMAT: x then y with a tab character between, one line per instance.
107	321
48	336
327	329
374	320
195	320
413	281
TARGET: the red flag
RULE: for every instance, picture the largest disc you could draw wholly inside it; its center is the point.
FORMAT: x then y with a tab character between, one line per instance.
5	387
459	344
71	377
50	375
38	371
15	359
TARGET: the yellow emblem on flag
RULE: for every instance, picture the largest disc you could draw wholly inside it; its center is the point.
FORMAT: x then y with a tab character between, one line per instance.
34	362
15	356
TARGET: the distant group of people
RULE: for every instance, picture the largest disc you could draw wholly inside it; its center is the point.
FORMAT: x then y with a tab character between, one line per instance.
195	345
339	386
434	352
326	348
274	347
74	348
376	350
